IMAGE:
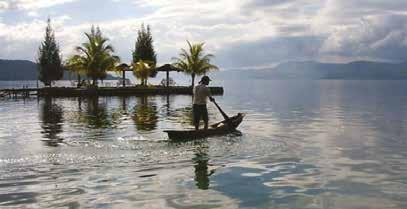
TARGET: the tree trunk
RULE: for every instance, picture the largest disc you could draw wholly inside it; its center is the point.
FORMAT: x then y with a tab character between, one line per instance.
78	85
193	80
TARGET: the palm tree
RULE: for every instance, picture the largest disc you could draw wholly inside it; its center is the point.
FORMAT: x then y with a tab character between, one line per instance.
76	64
96	55
142	70
195	61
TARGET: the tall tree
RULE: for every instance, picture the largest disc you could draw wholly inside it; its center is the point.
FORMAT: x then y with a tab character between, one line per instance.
96	56
49	60
194	61
144	51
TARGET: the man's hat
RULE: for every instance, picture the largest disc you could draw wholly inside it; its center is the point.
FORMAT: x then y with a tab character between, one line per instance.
205	78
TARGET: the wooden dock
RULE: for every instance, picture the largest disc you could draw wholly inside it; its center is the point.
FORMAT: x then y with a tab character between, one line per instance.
102	91
19	93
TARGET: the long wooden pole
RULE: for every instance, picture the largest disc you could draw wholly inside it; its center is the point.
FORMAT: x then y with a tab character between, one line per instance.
221	111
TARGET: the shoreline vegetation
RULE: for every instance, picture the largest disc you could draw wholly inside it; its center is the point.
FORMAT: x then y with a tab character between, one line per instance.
94	59
103	91
122	91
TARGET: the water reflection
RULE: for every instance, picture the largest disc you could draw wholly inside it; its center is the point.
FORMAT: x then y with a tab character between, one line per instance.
167	105
145	114
340	145
21	198
124	102
52	119
201	169
185	115
96	114
80	104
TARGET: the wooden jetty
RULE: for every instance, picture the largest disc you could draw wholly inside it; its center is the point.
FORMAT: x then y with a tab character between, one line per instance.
19	93
102	91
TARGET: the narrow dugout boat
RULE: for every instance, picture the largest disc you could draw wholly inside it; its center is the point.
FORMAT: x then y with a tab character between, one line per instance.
221	128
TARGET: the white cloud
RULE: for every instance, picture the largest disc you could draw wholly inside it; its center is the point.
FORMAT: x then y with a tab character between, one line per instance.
21	41
173	25
4	5
31	4
33	13
314	29
377	37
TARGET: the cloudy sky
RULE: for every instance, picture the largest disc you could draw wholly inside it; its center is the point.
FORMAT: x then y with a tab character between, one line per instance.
241	33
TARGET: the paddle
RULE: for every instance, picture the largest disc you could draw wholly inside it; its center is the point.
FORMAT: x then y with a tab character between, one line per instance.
223	113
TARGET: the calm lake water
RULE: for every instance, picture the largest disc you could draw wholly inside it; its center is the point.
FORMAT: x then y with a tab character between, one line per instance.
304	144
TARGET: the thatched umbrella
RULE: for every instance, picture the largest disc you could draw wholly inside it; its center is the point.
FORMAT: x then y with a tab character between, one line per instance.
123	68
167	68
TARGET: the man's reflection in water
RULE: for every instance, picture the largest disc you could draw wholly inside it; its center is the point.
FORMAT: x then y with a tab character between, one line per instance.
52	119
201	169
79	104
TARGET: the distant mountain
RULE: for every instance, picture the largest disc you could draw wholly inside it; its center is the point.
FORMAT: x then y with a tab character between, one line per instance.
360	70
26	70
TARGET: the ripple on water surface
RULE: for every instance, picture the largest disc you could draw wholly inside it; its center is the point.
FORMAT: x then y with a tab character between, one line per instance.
314	145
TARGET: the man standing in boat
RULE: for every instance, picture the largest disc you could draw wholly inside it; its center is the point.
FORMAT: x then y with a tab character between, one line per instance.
201	93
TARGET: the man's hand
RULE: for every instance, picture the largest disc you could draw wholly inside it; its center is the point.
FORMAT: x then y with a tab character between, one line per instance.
211	99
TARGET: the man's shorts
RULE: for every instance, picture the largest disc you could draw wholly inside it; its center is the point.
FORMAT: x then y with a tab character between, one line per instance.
199	112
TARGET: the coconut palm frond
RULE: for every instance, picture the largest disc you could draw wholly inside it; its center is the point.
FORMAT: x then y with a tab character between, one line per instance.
194	61
94	56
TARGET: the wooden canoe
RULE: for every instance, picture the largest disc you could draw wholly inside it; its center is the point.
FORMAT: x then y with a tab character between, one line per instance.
220	128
